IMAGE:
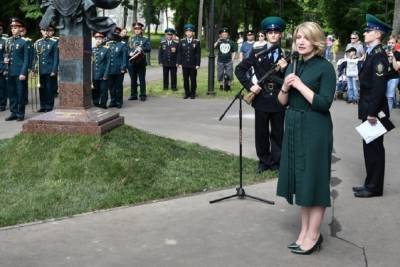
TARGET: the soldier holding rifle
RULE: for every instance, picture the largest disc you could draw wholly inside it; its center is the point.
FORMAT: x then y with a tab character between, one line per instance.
268	112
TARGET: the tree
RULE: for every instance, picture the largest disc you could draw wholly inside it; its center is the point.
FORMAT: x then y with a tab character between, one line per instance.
396	17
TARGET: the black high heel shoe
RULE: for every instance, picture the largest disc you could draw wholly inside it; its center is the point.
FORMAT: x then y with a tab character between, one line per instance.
317	246
294	245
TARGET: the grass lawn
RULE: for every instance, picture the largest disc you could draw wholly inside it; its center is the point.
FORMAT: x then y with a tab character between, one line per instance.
47	176
155	88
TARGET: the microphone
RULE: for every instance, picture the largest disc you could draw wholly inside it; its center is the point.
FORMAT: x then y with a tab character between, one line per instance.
295	58
266	50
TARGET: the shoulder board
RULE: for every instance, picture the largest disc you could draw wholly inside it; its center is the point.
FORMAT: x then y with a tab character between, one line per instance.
27	38
40	39
106	46
163	41
55	38
197	40
175	41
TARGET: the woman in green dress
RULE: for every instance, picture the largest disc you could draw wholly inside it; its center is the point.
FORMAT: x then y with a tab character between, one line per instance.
305	168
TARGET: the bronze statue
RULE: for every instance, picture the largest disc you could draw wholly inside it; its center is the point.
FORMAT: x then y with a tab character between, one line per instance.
65	14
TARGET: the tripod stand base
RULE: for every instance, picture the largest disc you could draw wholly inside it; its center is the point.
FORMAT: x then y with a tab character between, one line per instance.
241	194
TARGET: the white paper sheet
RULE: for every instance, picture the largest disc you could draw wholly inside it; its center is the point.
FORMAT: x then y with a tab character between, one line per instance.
370	132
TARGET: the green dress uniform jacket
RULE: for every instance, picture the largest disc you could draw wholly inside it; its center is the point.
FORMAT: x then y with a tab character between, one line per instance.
305	168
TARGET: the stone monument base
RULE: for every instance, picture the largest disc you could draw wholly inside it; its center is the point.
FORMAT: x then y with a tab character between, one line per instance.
93	121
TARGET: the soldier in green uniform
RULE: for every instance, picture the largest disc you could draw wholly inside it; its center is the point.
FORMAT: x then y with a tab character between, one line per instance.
17	64
46	66
100	65
189	56
30	48
373	105
3	84
167	57
117	68
50	33
138	46
226	53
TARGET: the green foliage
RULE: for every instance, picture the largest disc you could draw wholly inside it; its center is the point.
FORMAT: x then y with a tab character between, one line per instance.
31	9
47	176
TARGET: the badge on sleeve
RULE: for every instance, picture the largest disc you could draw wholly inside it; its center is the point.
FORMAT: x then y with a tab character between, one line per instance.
379	69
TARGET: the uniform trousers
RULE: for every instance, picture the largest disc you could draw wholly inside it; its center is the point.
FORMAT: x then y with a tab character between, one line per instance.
16	93
374	157
137	71
46	91
189	73
269	135
100	92
167	71
3	91
115	84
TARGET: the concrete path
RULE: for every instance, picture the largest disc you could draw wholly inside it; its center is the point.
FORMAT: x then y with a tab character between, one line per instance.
190	232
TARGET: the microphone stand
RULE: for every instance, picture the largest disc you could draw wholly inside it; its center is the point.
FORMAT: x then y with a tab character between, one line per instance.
240	193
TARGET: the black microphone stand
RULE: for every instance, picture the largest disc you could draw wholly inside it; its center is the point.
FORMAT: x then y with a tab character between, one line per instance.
240	193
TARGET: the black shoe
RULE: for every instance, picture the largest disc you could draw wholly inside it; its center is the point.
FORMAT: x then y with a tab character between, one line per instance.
355	102
228	88
192	97
317	246
174	89
165	88
48	110
2	108
119	106
42	110
274	168
20	118
366	194
262	168
143	98
133	98
221	87
358	188
112	105
294	245
103	106
186	97
11	118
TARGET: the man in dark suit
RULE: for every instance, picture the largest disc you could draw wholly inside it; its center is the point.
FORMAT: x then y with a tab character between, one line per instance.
373	104
189	53
268	112
167	57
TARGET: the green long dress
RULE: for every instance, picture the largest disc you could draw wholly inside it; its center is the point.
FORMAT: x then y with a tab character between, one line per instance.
305	167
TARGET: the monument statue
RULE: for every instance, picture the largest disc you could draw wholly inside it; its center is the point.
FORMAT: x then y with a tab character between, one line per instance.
75	20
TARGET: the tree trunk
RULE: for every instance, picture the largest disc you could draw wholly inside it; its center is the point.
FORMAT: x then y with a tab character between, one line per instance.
200	19
396	18
134	10
125	16
166	17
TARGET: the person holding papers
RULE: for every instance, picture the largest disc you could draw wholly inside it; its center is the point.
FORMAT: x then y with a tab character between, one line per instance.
373	81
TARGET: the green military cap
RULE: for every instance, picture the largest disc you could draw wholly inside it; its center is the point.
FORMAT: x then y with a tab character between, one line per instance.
189	27
137	25
273	24
169	31
224	29
373	23
16	22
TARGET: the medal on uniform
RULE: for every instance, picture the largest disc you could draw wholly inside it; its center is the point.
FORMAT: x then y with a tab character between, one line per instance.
1	46
17	46
379	69
48	46
194	45
116	49
173	49
163	47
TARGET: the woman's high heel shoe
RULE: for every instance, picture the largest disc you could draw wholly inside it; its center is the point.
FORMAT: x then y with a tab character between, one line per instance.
294	245
317	246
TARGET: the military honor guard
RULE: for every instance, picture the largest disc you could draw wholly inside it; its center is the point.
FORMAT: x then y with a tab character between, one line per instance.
50	33
226	54
117	68
100	66
3	84
269	113
373	105
17	63
167	57
138	46
189	55
30	46
46	61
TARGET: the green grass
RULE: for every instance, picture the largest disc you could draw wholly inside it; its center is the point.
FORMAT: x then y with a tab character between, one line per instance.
155	88
50	176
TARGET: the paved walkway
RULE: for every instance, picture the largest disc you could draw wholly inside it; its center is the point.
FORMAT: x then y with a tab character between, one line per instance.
190	232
